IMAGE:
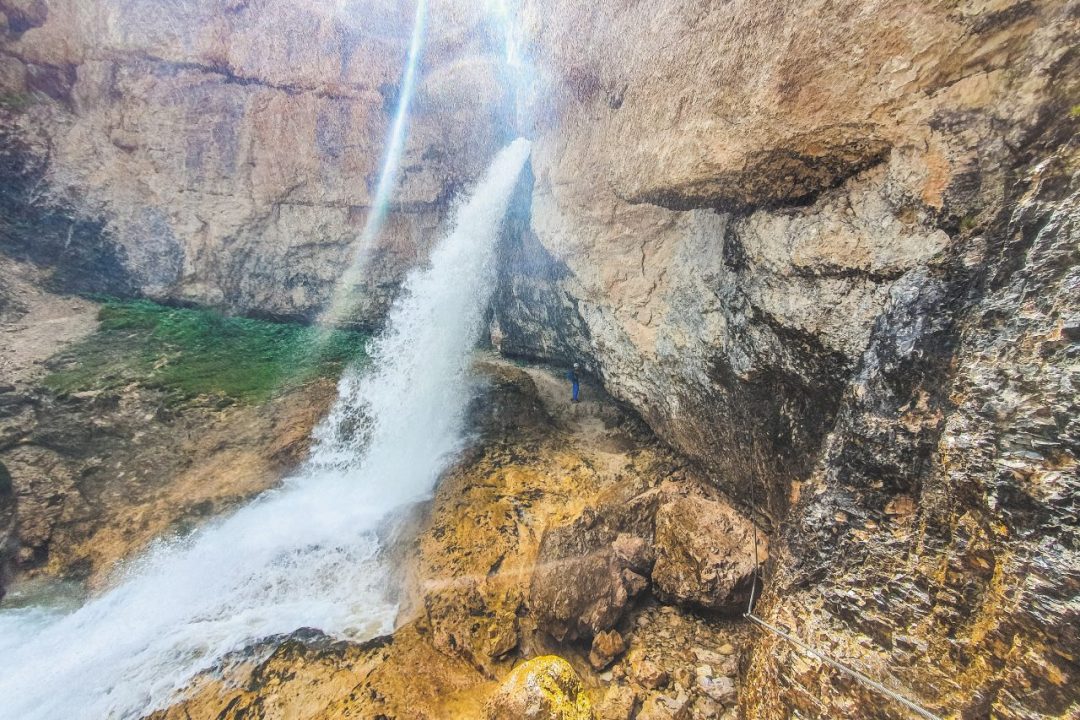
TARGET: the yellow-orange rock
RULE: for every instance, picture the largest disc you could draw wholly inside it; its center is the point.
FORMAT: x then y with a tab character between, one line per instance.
544	688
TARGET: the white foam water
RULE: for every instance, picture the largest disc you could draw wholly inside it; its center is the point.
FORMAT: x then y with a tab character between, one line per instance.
304	555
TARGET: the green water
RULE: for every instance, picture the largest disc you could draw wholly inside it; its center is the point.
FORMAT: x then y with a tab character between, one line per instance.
190	352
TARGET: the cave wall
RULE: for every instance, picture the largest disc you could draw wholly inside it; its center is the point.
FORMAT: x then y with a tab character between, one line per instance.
726	293
226	153
825	250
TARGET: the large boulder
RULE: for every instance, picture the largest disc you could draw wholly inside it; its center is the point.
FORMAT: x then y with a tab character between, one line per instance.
544	688
705	554
588	571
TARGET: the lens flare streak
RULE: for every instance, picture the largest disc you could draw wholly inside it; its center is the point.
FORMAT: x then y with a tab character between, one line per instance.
341	302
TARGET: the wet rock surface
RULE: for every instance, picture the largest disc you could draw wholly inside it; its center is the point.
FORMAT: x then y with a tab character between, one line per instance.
541	467
309	676
96	479
7	527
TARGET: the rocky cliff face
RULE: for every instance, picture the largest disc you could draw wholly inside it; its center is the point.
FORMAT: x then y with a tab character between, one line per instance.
723	202
936	540
226	153
827	251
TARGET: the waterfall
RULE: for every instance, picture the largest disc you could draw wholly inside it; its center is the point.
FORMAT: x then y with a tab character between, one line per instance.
304	555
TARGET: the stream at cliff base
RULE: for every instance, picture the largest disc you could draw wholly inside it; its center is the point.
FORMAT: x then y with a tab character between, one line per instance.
304	555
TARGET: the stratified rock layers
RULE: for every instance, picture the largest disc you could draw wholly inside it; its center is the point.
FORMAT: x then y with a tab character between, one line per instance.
827	251
228	153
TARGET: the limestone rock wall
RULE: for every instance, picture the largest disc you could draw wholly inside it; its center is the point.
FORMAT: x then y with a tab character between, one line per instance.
725	196
825	250
227	153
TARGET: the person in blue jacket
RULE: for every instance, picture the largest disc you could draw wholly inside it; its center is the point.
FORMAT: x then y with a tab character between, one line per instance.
573	378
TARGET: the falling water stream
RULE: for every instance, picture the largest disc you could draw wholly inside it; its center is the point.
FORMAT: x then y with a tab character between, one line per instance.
304	555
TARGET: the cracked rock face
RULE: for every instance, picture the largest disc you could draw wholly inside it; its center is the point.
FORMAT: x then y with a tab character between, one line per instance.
725	297
229	155
826	250
936	542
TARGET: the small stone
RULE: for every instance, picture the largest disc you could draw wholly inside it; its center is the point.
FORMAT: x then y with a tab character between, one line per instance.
726	649
650	675
705	708
721	689
683	676
540	689
652	710
632	550
502	638
634	583
606	646
706	656
665	707
619	703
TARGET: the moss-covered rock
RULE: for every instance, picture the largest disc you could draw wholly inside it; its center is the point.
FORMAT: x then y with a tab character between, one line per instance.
544	688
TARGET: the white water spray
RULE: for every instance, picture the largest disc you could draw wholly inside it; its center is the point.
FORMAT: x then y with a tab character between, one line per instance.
305	555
